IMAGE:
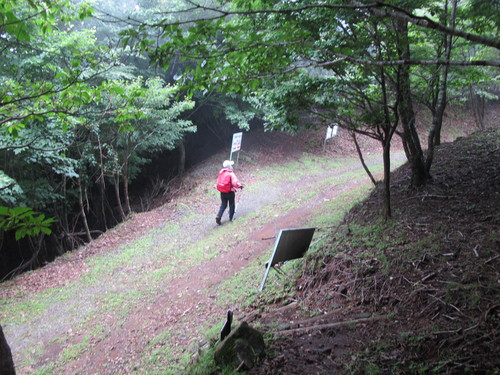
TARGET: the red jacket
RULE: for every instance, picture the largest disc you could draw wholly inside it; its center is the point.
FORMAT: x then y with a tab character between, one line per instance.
227	181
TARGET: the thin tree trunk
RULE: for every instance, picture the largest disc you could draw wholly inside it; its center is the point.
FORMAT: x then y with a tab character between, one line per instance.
387	179
64	220
434	138
360	154
182	158
125	192
477	107
480	107
102	184
125	177
82	209
34	260
102	204
405	109
118	198
388	133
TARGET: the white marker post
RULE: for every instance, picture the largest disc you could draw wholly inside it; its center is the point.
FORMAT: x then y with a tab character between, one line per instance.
236	146
330	133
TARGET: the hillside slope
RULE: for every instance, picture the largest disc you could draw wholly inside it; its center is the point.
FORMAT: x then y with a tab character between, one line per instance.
418	294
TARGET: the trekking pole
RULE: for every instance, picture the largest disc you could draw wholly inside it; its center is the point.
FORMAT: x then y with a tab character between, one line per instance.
238	200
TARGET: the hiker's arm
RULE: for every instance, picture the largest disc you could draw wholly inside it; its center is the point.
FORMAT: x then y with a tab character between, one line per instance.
235	183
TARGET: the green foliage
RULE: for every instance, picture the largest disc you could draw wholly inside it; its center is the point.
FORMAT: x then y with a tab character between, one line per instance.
143	120
485	15
10	191
43	66
321	59
24	221
70	111
36	162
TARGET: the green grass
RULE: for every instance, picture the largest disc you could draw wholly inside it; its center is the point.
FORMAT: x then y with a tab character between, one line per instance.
48	369
334	210
158	353
376	237
26	308
74	351
242	288
293	170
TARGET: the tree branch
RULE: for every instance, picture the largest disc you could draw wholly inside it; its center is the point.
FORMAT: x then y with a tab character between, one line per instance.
416	62
425	22
378	9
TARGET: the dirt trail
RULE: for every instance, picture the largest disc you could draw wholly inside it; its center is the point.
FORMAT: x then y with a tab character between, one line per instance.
116	311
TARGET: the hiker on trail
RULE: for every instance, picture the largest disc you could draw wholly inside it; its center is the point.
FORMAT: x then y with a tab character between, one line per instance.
227	183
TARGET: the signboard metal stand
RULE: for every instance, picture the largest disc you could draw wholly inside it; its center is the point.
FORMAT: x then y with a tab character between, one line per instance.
290	244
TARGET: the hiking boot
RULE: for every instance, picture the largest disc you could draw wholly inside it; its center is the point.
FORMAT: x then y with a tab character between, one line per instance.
217	220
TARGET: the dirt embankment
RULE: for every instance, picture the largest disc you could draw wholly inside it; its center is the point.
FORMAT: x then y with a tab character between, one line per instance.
419	294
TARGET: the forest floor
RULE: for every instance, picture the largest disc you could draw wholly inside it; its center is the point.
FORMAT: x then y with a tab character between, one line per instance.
144	297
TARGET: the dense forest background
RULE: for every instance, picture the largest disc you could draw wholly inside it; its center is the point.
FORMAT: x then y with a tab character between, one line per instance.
102	104
91	130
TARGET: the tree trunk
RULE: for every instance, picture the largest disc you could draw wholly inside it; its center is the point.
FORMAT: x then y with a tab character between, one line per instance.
126	156
102	186
388	130
387	178
82	209
64	216
125	192
477	107
405	109
33	262
118	197
434	138
182	158
360	154
102	205
6	361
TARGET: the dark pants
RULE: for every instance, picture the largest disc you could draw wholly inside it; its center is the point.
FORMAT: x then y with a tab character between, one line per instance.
226	198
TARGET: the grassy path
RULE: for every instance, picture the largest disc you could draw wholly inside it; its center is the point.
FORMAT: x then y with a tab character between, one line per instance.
142	306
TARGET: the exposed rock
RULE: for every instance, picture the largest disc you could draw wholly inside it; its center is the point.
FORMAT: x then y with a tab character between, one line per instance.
241	348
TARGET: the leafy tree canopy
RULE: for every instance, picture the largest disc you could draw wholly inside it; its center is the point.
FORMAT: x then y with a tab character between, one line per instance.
246	46
45	64
59	90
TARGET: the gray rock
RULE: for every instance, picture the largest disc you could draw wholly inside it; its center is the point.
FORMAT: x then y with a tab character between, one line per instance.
284	326
241	348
